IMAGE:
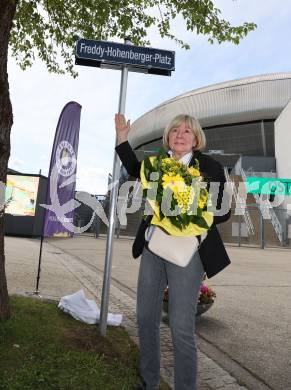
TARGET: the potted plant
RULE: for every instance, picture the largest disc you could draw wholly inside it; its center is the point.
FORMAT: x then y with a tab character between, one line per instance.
205	299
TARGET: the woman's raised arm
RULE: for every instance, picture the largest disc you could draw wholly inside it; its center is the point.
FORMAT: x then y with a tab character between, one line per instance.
124	150
122	128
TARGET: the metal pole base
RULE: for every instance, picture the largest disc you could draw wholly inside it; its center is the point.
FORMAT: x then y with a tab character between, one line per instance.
33	293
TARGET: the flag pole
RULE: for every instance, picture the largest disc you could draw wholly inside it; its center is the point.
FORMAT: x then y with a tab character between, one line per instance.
36	291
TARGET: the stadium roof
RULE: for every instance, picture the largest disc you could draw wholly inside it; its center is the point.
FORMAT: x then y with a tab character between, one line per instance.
243	100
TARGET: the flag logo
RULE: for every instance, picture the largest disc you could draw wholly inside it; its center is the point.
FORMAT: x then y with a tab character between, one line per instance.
65	159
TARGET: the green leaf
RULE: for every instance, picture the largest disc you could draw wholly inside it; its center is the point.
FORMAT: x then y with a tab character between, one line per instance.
176	222
185	219
147	168
200	222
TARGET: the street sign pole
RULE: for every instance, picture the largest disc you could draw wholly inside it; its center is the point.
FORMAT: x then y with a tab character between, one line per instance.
127	58
112	214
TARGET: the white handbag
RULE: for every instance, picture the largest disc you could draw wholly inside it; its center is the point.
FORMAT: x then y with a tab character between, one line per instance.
177	250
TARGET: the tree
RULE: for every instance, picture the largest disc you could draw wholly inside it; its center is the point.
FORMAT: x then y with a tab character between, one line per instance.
7	13
48	29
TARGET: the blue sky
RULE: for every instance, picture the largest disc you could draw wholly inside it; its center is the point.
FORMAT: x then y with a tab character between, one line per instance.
38	97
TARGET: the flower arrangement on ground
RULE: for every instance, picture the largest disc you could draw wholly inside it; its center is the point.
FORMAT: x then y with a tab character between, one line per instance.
177	195
206	294
205	299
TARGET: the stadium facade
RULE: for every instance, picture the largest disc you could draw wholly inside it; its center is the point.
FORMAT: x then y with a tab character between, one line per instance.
237	116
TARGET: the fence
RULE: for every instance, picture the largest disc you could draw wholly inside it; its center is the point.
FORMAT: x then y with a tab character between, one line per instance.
235	231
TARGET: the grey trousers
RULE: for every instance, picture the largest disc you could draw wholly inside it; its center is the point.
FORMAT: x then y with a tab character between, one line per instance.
155	274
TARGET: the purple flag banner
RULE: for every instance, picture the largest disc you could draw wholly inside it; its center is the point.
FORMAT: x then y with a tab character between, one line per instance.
60	204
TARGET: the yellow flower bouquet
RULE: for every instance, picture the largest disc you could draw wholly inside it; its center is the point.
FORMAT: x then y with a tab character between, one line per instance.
176	195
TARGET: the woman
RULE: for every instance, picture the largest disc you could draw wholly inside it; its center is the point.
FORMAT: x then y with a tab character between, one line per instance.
184	138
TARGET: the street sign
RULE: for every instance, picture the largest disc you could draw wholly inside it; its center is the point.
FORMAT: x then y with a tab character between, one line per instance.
115	55
268	185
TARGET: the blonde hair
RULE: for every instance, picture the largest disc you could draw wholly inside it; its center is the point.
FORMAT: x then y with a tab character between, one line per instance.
193	124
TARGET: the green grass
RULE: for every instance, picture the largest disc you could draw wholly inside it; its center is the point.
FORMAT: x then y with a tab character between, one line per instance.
43	348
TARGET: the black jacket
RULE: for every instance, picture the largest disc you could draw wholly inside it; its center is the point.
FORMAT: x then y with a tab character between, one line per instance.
212	251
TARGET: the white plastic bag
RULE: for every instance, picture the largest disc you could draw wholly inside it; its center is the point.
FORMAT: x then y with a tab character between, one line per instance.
85	310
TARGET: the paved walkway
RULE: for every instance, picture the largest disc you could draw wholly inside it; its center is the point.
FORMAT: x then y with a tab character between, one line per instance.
65	273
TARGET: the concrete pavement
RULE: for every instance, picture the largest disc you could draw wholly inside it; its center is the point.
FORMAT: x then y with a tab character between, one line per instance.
243	340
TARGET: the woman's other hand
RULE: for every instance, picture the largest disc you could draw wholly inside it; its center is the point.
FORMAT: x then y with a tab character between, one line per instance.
122	128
